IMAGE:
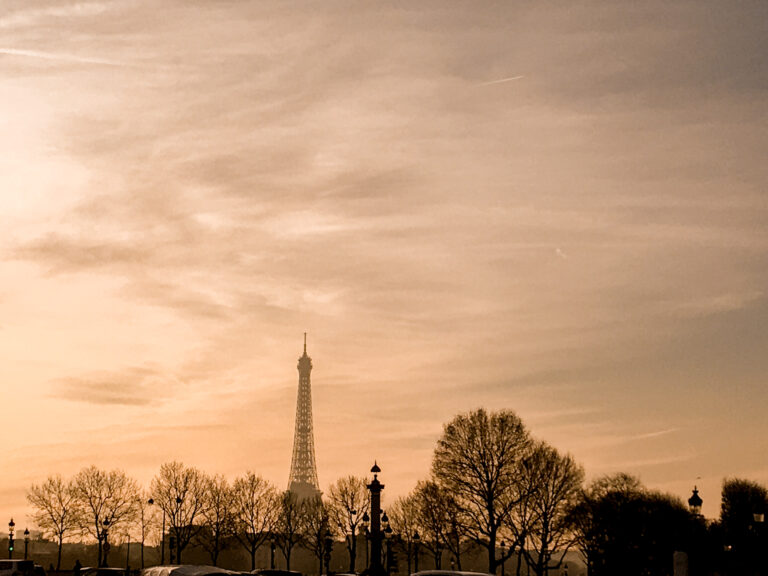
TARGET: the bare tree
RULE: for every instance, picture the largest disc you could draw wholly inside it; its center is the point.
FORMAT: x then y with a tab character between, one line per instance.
456	539
543	517
315	527
217	517
255	506
54	509
289	524
348	502
432	517
478	460
403	519
180	493
104	499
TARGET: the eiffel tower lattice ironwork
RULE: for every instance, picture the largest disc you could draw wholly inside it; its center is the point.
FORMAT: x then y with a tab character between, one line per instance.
303	481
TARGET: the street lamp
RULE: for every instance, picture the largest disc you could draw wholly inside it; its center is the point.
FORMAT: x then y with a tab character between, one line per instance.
26	542
105	535
272	552
388	541
501	547
375	488
416	543
173	539
695	502
353	534
366	525
162	535
11	528
328	550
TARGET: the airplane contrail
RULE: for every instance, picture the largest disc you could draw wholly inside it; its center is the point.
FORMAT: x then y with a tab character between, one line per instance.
501	80
61	57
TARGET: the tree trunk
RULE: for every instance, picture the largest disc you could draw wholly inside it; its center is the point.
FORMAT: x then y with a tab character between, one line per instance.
492	555
253	557
58	556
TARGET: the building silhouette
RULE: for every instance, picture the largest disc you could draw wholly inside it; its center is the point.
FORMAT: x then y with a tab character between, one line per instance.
303	479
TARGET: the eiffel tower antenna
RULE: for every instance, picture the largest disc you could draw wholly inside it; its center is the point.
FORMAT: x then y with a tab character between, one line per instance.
303	480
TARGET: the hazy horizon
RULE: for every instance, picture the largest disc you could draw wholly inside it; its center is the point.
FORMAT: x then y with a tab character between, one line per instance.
554	208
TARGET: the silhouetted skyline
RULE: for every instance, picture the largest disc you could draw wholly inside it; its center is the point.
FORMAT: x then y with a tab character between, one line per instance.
551	207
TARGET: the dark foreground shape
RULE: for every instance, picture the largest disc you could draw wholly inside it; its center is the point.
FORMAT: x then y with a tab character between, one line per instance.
270	572
449	573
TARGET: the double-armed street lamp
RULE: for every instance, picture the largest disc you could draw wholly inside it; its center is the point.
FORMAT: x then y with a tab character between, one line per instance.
26	542
11	529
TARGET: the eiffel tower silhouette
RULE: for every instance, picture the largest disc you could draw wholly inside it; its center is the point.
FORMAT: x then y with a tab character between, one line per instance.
303	480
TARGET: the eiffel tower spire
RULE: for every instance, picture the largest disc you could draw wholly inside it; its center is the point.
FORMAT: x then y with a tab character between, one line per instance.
303	480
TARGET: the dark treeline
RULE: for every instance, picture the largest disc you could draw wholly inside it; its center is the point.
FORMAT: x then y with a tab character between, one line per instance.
492	488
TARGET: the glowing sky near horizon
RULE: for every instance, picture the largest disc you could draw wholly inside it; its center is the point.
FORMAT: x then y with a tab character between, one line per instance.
557	208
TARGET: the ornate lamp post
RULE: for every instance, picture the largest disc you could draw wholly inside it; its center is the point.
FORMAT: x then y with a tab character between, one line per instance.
11	529
388	541
501	547
366	525
26	542
695	502
375	488
416	544
105	535
272	552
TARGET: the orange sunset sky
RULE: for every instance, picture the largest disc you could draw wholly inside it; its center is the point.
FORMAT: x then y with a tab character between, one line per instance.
553	207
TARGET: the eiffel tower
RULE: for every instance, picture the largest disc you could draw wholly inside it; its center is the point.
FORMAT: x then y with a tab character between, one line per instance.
303	481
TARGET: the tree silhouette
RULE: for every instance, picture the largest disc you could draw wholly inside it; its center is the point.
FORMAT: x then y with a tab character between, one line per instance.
54	502
315	526
289	525
478	460
103	496
256	508
742	518
217	517
542	519
347	503
625	529
180	491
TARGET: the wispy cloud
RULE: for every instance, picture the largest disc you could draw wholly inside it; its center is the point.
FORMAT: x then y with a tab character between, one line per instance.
135	386
63	57
501	80
33	15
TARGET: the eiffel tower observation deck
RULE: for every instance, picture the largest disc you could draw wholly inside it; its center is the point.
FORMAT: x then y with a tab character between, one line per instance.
303	480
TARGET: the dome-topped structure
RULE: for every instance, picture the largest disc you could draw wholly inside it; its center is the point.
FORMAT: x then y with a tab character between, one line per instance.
695	502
